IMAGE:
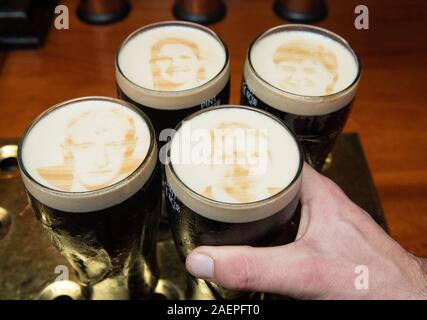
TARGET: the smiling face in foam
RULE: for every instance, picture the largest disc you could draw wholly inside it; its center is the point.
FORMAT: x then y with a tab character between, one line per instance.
237	155
171	58
304	63
85	146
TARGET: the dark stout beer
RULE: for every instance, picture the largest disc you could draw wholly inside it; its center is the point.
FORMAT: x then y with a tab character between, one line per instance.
306	76
91	172
233	179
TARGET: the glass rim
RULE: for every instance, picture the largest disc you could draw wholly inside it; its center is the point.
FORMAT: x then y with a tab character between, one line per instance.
246	204
140	167
172	23
314	29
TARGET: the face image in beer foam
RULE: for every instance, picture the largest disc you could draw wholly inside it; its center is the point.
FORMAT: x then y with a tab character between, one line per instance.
175	62
249	156
171	58
304	63
86	146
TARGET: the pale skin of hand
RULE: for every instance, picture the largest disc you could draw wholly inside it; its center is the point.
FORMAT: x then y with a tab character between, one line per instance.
335	236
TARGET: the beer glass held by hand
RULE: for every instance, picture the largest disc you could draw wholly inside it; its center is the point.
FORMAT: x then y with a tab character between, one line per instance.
308	77
91	173
233	179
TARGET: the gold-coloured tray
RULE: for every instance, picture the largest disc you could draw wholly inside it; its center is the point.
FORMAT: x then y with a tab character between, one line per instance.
30	266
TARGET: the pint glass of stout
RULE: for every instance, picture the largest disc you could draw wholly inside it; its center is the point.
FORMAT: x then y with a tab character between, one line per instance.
91	173
308	77
172	69
233	178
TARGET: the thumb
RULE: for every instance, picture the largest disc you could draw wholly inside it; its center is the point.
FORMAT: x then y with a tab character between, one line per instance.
273	269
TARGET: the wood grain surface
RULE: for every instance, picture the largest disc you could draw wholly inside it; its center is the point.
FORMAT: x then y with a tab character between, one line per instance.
389	114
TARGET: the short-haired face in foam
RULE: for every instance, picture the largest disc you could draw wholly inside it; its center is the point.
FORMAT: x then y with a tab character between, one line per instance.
176	62
304	63
99	143
234	164
249	156
171	57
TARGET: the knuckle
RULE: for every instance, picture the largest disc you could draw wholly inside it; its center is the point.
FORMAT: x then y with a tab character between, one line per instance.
332	188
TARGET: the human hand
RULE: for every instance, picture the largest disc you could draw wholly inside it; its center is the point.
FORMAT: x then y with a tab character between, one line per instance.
335	236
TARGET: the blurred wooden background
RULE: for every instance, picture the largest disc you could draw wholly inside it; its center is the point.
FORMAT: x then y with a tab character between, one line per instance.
390	112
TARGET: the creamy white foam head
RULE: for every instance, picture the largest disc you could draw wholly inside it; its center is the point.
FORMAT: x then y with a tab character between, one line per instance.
234	155
304	63
307	61
85	146
171	57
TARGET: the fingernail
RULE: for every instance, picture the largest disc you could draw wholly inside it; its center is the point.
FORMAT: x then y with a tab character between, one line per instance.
200	265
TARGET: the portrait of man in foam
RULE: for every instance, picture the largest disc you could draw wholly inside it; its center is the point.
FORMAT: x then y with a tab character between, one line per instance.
176	62
98	151
306	68
239	156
